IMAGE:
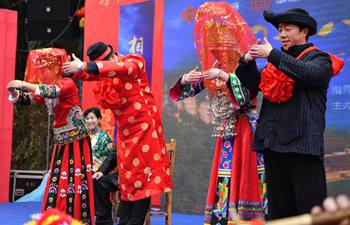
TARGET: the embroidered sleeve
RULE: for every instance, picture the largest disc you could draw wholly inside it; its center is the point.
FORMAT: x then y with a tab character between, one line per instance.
240	93
237	89
179	91
48	91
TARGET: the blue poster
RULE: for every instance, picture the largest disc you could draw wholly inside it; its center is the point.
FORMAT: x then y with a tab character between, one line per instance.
136	31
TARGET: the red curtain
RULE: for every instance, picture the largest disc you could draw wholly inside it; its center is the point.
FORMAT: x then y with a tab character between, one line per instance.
101	24
8	42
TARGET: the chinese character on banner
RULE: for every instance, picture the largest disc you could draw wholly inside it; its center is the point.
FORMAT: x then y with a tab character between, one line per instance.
346	89
336	90
346	106
260	5
337	106
136	45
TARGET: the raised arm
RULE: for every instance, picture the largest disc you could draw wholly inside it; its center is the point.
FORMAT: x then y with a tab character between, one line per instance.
314	72
24	93
128	66
248	73
19	93
188	85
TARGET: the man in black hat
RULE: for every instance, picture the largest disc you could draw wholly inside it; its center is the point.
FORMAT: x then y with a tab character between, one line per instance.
292	119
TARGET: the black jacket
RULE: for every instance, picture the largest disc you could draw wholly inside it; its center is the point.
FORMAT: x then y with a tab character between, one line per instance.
296	126
109	180
110	162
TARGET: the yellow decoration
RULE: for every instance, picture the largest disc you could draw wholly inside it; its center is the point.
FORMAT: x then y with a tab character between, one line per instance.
31	223
82	22
53	218
326	29
50	219
277	38
346	21
258	28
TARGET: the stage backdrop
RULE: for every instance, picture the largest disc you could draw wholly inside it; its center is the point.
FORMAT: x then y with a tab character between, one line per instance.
188	120
8	42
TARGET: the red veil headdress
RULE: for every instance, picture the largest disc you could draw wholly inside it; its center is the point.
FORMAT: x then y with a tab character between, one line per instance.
221	37
45	65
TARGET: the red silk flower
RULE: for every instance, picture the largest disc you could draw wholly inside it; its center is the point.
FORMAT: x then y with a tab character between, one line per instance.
275	85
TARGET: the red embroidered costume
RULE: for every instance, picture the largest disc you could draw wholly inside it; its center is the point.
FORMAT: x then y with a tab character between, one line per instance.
69	187
237	176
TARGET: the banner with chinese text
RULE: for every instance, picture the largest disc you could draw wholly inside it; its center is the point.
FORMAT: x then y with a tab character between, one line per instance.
136	31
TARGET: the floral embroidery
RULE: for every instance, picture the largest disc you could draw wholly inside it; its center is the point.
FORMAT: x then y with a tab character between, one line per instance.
220	209
226	157
76	128
49	91
190	90
237	89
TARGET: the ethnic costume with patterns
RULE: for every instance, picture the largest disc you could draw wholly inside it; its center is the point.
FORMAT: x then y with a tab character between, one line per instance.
143	165
69	187
237	177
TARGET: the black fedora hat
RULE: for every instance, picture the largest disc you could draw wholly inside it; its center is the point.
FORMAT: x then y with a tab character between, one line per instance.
99	51
296	16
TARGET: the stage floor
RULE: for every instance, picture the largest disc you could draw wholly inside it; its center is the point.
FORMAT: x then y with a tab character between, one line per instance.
19	213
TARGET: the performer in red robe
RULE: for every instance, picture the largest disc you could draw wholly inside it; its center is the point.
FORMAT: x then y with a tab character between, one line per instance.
69	187
143	165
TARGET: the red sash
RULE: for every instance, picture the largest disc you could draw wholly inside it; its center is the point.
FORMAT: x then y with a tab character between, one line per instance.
277	87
